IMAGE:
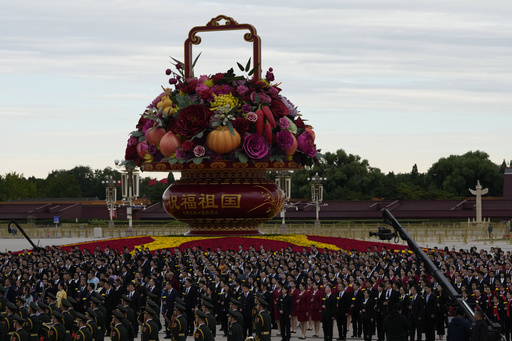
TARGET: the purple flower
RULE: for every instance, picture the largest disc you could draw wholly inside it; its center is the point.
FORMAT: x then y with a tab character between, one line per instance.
242	90
284	123
179	66
255	146
199	151
293	109
306	144
264	98
222	89
269	76
173	81
273	91
284	139
148	125
181	154
168	72
152	149
132	141
245	107
252	117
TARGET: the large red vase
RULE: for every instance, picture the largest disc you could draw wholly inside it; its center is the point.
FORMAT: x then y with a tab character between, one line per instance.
223	197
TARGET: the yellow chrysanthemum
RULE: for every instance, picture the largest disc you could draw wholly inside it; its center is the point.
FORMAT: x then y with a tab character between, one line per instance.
208	83
223	103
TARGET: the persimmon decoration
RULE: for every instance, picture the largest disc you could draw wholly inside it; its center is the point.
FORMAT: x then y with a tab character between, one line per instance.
222	141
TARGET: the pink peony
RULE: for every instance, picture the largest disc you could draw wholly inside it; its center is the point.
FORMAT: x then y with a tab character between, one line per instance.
132	141
264	98
284	123
306	144
242	90
199	151
252	117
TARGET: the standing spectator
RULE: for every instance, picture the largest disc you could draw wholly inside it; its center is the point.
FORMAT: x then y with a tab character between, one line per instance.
328	312
396	325
285	306
368	315
247	300
459	329
416	313
316	308
343	301
357	299
302	304
480	327
430	313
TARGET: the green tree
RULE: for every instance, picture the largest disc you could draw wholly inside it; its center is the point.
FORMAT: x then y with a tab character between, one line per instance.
455	174
15	186
61	184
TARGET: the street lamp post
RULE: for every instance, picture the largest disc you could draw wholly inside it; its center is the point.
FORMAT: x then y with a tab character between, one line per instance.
317	194
284	182
130	179
110	198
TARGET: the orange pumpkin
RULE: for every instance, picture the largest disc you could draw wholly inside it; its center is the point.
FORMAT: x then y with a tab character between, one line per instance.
222	141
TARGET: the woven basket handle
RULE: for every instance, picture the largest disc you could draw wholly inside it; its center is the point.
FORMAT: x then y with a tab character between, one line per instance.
229	25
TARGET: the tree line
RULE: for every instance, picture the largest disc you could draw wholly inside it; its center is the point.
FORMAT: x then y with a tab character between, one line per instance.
348	178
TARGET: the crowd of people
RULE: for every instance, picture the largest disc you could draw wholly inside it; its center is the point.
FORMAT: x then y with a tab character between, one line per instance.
374	294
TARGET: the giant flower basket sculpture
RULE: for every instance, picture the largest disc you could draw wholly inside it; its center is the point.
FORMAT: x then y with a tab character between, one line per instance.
223	132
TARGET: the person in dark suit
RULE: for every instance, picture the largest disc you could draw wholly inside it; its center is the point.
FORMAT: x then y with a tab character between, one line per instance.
343	301
357	299
109	305
134	297
416	313
168	299
480	327
368	315
247	300
285	308
328	312
430	313
189	296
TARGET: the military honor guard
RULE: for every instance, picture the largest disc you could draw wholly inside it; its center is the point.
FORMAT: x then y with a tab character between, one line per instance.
262	321
117	331
83	333
235	330
149	331
202	332
179	325
19	333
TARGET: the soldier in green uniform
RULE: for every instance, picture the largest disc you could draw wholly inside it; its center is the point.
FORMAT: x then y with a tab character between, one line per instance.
235	330
149	328
8	320
19	333
202	332
233	305
262	321
33	325
57	332
131	315
156	316
22	311
126	324
43	319
52	303
210	319
91	323
67	319
118	331
99	319
83	333
179	324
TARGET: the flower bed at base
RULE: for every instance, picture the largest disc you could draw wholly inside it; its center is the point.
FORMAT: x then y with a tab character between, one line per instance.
274	242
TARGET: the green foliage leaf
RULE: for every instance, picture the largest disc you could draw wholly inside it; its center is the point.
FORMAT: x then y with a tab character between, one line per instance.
253	70
242	157
137	133
230	127
240	66
198	160
248	65
195	60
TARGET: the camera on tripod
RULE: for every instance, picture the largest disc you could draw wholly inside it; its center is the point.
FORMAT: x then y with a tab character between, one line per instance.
384	233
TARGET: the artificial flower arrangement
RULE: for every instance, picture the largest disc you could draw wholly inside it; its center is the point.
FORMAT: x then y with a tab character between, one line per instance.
221	117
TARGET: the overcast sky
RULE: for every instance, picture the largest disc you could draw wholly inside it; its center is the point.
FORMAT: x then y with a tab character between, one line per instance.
396	82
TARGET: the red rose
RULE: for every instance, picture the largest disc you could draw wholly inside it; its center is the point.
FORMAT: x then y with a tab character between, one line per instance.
192	120
190	86
240	124
217	77
300	124
141	123
187	145
278	108
130	153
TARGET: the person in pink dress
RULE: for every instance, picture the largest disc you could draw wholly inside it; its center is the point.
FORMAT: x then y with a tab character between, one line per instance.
302	303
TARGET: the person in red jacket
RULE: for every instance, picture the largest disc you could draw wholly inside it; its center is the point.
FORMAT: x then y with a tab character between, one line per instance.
294	293
302	303
316	307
